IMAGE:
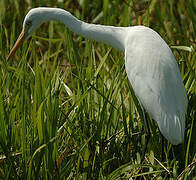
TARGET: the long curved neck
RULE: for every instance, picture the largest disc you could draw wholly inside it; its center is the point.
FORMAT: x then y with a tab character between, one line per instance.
114	36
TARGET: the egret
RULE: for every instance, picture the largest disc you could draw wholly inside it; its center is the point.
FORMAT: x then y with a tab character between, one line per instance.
149	62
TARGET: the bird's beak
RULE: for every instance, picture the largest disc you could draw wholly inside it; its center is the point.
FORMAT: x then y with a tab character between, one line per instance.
17	44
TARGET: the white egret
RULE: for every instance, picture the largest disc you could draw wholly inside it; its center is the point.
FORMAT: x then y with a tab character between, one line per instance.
150	65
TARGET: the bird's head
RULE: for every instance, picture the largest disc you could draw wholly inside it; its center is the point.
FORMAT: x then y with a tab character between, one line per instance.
32	21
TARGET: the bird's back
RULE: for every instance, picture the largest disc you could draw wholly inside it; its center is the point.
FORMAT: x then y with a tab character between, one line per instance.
156	80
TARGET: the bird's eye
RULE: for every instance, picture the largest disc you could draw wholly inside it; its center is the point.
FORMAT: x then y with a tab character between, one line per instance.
28	23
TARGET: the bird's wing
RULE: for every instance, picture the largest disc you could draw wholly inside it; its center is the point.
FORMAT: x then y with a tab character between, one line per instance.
155	78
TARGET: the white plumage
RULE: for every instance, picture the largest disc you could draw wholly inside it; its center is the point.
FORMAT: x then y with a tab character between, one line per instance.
155	78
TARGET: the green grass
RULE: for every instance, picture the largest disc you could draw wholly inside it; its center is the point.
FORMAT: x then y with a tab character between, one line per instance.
67	110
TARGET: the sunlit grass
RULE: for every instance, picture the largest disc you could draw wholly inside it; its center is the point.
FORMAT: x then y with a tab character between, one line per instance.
66	107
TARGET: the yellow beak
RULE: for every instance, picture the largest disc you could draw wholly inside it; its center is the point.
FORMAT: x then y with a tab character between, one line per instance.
17	44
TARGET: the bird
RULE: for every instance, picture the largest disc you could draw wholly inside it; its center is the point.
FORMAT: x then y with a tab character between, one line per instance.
150	65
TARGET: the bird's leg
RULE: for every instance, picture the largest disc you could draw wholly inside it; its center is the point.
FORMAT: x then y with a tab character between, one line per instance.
147	134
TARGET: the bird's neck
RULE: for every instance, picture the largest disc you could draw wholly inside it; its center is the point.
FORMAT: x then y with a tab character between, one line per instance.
114	36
